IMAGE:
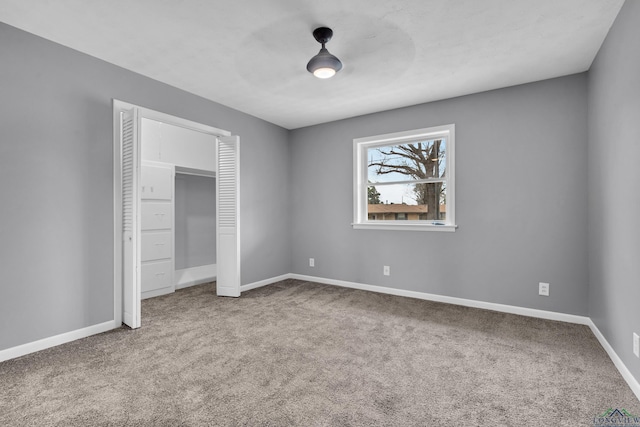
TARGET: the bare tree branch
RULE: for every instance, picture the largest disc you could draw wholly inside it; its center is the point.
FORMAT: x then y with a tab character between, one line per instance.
419	160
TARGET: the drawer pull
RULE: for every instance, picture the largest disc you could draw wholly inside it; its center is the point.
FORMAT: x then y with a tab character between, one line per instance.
159	244
159	274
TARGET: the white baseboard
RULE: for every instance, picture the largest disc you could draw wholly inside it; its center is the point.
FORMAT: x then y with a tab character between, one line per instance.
622	368
195	275
32	347
503	308
261	283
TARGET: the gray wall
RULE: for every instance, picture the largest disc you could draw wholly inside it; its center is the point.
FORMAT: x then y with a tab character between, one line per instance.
195	221
56	184
521	199
614	180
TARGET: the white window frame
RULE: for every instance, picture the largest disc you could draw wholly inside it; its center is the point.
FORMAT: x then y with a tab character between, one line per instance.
360	182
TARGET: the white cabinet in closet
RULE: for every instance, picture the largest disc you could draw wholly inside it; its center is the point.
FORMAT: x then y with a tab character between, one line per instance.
157	194
178	146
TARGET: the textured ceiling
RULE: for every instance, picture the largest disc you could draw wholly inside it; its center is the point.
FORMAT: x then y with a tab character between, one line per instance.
251	54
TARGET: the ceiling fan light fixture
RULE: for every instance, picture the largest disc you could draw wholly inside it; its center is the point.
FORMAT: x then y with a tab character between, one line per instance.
324	65
324	73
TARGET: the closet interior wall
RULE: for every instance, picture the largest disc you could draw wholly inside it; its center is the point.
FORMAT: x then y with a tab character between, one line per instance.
195	224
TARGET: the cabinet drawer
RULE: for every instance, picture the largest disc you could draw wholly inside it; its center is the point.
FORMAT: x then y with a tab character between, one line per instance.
156	182
156	216
156	275
156	245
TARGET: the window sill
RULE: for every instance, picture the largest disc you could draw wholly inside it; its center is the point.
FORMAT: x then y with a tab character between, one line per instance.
403	227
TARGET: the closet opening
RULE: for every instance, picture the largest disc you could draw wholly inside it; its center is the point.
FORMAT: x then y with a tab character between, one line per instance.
195	229
176	208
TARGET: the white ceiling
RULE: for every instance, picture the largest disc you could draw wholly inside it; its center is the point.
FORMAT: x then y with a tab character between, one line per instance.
251	54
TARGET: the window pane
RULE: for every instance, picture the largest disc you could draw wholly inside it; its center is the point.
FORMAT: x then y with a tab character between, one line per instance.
411	202
406	162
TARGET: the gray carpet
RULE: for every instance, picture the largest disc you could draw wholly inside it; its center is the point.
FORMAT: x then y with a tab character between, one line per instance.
306	354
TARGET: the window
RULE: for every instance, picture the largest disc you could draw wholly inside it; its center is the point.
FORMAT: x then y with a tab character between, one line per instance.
405	180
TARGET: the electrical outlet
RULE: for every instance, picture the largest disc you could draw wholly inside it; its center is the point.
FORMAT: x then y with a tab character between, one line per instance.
386	270
636	344
312	262
543	289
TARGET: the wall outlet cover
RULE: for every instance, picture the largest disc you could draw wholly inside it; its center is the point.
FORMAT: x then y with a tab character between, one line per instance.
386	270
636	344
312	262
543	289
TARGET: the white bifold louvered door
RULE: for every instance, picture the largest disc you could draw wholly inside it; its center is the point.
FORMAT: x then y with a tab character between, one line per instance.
130	218
228	216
